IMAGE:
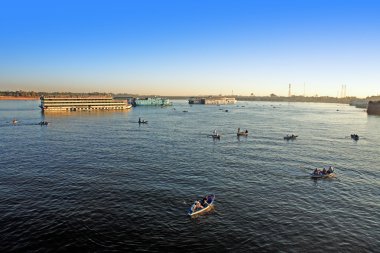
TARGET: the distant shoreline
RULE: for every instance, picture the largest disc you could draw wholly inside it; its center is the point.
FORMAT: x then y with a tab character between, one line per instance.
18	98
358	102
239	98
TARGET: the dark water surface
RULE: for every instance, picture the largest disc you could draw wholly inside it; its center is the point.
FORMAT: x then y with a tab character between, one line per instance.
99	182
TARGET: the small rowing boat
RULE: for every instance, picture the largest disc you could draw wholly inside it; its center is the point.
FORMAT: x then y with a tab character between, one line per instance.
290	137
142	121
318	173
243	133
355	137
330	175
215	136
195	209
43	123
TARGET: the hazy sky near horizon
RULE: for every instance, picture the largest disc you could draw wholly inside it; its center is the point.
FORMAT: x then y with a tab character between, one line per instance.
191	47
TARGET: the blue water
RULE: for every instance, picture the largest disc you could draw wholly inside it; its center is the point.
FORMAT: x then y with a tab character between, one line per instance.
98	181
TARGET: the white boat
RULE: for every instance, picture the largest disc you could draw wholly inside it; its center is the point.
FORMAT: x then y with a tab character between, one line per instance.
152	101
90	103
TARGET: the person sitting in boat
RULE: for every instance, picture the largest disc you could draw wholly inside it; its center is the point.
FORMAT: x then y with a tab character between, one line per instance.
204	202
324	171
198	205
246	131
238	130
316	171
330	170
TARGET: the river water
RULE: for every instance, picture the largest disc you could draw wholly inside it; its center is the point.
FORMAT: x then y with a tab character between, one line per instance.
100	182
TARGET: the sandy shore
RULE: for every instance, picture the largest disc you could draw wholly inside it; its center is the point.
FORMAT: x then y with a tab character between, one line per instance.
18	98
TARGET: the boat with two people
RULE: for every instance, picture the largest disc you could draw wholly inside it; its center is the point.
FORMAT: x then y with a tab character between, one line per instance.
142	121
290	137
43	123
242	133
215	135
355	137
323	173
201	206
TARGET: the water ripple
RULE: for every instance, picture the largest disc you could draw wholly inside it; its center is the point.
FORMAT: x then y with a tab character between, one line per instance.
100	182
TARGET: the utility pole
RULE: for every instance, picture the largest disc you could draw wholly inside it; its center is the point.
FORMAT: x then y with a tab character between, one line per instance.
290	88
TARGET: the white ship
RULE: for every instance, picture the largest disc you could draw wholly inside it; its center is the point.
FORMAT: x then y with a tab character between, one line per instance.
82	104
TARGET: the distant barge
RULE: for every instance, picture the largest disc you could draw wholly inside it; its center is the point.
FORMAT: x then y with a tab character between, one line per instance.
82	104
213	101
196	101
151	101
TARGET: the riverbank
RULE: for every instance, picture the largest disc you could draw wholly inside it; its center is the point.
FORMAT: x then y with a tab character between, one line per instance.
18	98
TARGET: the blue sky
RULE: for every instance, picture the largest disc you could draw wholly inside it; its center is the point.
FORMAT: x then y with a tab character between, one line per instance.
192	47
